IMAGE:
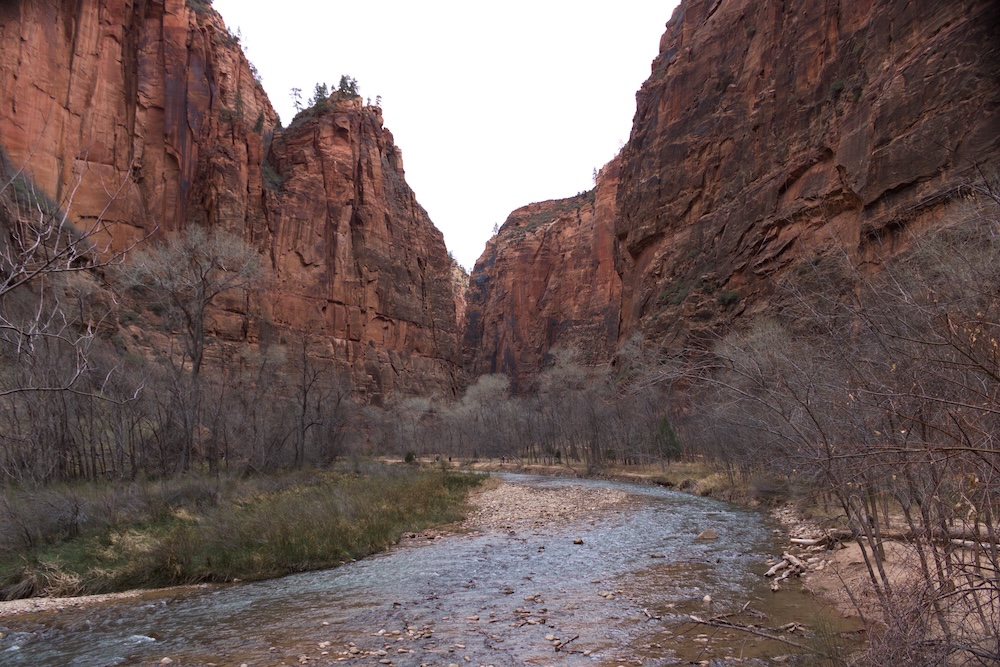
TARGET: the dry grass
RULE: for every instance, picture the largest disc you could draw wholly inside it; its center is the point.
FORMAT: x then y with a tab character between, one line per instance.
195	530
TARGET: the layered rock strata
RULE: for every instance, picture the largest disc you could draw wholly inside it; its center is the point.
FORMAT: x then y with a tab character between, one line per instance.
771	134
768	136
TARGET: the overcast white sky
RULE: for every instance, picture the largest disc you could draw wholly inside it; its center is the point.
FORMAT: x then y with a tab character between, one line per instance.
494	105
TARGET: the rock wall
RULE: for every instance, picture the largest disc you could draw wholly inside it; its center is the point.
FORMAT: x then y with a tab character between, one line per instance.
142	113
547	279
767	135
359	264
770	134
146	115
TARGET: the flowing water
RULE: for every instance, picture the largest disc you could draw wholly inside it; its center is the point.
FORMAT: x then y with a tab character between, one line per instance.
531	597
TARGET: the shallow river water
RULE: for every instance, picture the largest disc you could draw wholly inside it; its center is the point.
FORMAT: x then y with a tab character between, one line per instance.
522	597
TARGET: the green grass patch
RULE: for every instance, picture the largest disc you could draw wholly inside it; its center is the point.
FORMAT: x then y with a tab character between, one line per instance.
204	529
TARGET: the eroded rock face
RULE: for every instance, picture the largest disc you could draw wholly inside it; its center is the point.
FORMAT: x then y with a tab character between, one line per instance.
547	279
146	114
358	262
769	135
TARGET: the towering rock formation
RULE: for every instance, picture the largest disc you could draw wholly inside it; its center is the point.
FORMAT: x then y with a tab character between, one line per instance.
770	134
147	115
547	279
767	136
359	263
144	113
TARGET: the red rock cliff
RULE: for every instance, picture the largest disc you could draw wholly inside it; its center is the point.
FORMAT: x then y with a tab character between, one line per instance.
768	134
359	264
143	112
771	133
547	279
146	113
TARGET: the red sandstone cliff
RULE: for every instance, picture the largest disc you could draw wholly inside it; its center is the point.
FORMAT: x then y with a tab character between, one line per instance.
143	112
547	279
358	262
146	113
767	135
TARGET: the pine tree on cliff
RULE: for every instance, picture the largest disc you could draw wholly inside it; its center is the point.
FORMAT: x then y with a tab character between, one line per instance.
320	94
348	86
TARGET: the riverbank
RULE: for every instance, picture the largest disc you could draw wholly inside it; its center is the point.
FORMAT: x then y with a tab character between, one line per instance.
209	529
540	572
516	508
490	505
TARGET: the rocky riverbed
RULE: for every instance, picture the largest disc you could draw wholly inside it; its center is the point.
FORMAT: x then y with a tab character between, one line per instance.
498	506
543	571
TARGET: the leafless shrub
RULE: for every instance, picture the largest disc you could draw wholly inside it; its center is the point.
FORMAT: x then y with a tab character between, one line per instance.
883	397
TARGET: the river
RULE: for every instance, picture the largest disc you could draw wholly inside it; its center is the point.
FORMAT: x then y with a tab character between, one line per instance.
609	587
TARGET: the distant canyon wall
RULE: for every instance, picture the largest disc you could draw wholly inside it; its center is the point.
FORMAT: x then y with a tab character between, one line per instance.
546	280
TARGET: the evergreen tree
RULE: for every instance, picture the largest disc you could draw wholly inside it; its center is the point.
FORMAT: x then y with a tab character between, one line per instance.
348	86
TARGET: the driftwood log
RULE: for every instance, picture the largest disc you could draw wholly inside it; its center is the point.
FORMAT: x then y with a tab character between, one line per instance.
788	566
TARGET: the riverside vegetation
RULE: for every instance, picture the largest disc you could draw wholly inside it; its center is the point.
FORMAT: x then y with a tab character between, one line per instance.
98	538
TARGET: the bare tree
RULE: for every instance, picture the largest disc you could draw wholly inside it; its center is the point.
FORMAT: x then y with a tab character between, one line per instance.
880	390
53	312
185	274
41	248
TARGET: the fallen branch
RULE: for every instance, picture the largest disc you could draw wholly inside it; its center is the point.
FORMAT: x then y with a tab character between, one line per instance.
778	567
753	630
796	563
563	645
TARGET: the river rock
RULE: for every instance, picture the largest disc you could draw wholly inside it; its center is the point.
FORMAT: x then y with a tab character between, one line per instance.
578	540
707	534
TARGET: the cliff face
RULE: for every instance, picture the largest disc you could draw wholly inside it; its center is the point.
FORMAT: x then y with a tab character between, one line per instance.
547	279
767	136
145	114
770	134
359	264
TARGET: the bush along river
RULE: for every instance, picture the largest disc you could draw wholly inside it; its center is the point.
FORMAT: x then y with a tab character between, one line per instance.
548	571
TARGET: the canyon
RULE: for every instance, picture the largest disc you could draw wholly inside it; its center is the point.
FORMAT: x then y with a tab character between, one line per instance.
765	139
